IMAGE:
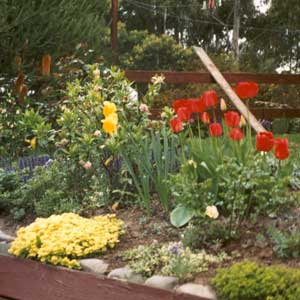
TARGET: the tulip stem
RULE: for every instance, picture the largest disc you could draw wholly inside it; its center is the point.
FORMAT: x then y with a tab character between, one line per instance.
199	132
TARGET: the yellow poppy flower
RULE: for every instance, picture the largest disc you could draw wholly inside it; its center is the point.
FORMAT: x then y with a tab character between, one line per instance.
109	108
110	124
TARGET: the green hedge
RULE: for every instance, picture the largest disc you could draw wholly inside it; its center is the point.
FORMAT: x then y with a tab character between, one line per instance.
250	281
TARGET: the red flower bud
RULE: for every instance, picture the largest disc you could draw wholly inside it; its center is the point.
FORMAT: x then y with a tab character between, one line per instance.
236	134
232	119
215	129
264	141
282	148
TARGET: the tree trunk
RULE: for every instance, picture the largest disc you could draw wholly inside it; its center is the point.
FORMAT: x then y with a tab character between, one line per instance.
236	30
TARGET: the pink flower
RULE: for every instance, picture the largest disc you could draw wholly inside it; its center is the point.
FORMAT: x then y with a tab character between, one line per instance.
144	108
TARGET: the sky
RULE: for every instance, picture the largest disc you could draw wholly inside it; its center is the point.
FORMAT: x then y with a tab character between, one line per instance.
262	7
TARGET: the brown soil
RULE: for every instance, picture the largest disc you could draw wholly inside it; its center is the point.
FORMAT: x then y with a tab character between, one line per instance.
143	230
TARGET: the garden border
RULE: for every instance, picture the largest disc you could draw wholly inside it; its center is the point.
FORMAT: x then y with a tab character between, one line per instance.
29	280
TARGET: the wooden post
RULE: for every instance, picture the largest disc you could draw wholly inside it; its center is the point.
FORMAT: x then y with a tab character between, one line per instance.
114	29
236	30
219	78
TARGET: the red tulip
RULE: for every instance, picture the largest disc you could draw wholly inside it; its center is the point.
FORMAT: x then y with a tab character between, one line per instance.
215	129
176	125
282	148
236	134
246	89
183	114
210	98
205	118
196	105
180	103
232	119
264	141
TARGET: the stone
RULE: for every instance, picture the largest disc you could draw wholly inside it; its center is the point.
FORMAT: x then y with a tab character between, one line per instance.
5	237
4	248
162	282
199	290
126	274
94	265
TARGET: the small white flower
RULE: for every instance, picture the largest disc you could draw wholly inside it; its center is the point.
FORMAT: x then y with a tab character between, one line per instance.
158	79
87	165
97	133
212	212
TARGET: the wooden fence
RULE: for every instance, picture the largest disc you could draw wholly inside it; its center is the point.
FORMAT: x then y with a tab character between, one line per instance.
207	78
30	280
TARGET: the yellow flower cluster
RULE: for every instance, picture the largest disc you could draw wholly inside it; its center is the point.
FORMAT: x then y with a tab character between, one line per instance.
61	239
110	123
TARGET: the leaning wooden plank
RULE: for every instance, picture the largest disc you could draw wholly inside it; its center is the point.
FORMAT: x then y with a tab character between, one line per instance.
214	71
204	77
30	280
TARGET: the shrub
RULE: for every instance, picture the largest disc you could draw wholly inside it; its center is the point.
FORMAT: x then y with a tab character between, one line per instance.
55	188
286	244
249	281
199	235
171	260
61	239
280	126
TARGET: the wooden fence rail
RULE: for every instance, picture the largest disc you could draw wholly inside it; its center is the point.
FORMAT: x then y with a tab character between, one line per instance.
30	280
206	78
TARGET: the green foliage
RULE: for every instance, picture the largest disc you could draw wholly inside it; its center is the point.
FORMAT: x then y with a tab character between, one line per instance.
19	125
149	163
199	235
157	53
145	260
249	281
171	260
10	183
240	183
181	215
294	125
54	189
33	28
286	244
280	126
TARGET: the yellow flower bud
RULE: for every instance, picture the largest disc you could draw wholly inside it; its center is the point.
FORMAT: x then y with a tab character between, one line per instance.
243	122
223	105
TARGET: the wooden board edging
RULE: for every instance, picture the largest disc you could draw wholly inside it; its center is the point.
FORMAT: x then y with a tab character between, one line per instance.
29	280
173	77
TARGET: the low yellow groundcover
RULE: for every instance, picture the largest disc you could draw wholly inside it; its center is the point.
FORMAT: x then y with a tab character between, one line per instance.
61	239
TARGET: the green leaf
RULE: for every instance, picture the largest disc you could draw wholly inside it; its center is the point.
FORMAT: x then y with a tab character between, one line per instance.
181	215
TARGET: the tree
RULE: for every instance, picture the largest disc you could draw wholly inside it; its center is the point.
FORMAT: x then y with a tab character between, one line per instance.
32	28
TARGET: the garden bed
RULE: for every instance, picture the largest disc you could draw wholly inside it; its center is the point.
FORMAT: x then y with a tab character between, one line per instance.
180	197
